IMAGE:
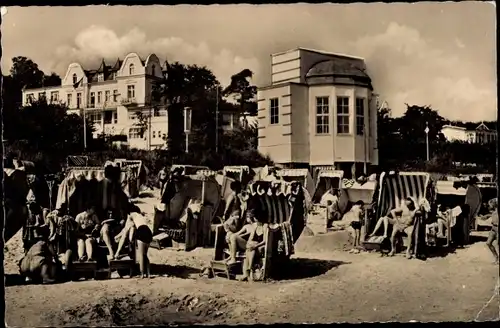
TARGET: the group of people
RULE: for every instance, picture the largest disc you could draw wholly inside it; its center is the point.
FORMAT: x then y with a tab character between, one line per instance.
246	224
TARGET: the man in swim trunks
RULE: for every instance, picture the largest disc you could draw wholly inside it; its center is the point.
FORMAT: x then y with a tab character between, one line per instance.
402	220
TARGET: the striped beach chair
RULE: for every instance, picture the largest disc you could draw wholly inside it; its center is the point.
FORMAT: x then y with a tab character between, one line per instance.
394	189
286	219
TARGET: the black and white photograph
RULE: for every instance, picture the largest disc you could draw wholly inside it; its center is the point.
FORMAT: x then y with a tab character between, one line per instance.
228	164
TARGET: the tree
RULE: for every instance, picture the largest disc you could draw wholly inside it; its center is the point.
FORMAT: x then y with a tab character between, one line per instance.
52	80
411	126
183	86
26	73
244	91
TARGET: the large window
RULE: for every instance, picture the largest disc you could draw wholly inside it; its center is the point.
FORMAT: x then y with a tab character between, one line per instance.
360	116
131	69
322	115
68	99
134	133
30	98
99	97
92	99
41	95
75	79
78	100
343	115
131	91
274	111
108	117
54	96
106	96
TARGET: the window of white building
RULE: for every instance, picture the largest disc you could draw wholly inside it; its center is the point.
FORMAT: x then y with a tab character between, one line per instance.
30	98
274	111
322	115
54	96
115	96
134	133
131	69
131	91
75	79
92	99
78	100
106	96
343	115
69	97
360	116
99	97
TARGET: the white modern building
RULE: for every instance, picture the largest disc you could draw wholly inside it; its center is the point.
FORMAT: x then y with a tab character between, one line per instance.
319	109
478	134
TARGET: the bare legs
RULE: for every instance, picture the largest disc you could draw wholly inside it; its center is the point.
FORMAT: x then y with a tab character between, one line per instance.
383	220
86	247
491	239
235	242
143	258
129	232
106	236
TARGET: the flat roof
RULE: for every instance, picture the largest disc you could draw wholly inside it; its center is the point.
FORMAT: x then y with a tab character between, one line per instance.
317	51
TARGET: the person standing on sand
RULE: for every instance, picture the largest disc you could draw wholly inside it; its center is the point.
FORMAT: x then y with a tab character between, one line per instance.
493	235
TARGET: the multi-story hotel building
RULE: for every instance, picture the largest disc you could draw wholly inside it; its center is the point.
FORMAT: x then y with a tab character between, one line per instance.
111	96
318	110
470	133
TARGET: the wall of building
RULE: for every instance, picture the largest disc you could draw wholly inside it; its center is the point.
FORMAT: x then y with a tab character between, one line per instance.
275	139
300	123
454	133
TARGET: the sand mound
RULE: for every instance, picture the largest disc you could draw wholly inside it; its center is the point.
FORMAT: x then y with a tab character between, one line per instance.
330	241
138	310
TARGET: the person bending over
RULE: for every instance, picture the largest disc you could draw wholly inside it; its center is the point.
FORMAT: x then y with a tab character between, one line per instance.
402	220
88	226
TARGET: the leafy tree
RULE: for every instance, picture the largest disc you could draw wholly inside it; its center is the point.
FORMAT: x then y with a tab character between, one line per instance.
26	73
183	86
411	126
244	91
52	80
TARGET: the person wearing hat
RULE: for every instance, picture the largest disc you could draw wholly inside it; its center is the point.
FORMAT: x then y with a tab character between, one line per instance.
34	220
493	235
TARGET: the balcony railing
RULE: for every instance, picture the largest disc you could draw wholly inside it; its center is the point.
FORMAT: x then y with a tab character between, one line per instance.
129	101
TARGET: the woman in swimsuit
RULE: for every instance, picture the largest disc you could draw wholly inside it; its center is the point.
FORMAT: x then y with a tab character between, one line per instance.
254	247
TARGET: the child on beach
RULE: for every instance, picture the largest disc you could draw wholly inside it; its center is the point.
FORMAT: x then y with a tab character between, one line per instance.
358	214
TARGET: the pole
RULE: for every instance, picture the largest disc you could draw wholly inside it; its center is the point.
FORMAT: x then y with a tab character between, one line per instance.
217	122
427	139
364	145
84	130
187	142
149	128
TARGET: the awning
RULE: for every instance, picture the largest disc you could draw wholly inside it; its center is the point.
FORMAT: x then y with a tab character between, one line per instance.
236	169
331	174
294	172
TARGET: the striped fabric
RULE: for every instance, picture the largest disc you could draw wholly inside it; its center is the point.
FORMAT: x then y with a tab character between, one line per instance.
277	209
395	188
236	169
77	160
293	172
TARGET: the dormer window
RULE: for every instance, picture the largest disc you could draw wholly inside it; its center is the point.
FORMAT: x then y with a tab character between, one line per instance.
100	77
75	79
113	76
153	67
131	69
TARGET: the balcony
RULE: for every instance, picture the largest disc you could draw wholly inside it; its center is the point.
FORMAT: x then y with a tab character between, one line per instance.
129	102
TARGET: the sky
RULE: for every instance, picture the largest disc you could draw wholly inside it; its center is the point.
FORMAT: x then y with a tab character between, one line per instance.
437	54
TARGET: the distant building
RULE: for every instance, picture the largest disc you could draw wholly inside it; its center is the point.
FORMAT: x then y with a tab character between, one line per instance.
112	95
470	132
318	110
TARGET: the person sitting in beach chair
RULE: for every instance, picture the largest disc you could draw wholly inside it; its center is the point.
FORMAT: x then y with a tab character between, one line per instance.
402	220
88	227
111	227
128	232
330	201
442	215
